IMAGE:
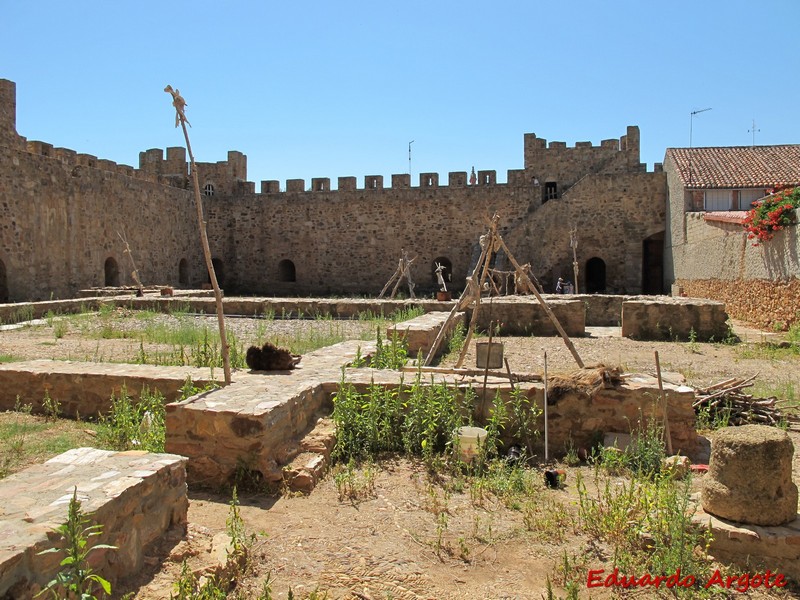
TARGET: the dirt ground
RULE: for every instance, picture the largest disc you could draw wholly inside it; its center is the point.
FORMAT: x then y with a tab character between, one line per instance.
411	537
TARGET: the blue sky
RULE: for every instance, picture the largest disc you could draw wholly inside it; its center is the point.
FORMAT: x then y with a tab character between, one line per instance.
329	89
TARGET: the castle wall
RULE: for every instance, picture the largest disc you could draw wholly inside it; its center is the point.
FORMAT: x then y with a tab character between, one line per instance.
61	213
61	218
555	162
350	241
613	213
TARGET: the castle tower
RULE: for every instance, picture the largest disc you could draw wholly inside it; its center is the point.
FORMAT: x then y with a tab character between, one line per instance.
8	111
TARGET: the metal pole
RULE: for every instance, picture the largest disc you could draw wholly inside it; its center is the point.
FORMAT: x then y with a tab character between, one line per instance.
409	161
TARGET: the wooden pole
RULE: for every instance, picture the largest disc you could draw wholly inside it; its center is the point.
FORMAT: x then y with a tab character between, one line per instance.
476	310
666	406
546	445
464	300
573	242
179	103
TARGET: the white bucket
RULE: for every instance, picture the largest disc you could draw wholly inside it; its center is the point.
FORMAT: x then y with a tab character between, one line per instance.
470	439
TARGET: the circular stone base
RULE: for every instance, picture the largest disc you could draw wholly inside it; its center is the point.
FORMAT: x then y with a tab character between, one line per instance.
749	478
753	546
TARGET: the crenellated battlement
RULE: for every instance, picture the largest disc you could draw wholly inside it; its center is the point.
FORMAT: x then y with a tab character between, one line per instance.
399	181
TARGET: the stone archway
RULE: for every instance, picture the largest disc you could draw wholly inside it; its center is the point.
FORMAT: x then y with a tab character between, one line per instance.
286	271
183	272
447	272
595	276
111	272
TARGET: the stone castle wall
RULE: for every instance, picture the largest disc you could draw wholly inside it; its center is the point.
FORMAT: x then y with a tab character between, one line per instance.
613	214
61	213
61	225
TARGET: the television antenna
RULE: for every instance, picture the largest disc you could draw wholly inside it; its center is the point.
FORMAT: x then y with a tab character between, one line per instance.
753	131
691	122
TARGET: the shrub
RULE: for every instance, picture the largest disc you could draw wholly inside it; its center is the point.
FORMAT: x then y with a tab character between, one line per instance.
771	214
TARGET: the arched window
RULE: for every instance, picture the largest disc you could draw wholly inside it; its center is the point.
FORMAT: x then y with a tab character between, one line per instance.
286	271
111	269
447	271
595	276
208	190
219	270
3	282
183	272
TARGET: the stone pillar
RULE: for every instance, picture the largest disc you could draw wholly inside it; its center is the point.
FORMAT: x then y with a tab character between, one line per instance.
749	478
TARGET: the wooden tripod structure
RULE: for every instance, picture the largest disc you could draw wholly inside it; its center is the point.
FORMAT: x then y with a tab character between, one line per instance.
403	272
491	243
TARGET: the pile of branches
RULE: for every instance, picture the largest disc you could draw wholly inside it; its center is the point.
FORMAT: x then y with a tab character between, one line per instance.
727	400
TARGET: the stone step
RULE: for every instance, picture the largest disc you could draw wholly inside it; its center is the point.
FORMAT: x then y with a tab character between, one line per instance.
310	458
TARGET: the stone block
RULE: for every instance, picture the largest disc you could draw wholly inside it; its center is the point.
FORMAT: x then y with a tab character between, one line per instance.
136	496
750	476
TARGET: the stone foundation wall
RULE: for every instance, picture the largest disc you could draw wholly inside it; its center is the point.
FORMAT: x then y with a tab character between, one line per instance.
85	389
137	497
574	418
766	304
523	315
420	332
677	318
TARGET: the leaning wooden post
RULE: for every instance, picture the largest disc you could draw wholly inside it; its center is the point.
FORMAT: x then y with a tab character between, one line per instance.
180	118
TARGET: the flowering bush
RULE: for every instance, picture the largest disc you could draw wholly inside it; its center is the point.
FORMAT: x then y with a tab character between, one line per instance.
771	214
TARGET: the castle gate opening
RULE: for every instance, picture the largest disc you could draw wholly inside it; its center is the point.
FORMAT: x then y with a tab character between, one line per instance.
111	271
653	264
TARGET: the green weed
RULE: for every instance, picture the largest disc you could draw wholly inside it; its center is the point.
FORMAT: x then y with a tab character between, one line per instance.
77	579
130	424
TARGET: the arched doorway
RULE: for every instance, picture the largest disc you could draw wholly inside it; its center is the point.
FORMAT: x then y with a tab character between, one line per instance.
183	272
111	269
595	276
447	271
3	282
219	270
286	271
653	264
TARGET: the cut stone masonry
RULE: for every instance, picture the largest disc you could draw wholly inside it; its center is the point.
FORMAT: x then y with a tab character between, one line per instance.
138	497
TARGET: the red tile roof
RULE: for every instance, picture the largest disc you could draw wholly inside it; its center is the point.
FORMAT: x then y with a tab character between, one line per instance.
737	167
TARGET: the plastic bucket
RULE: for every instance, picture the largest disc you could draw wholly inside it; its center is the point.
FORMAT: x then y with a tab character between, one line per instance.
470	439
489	356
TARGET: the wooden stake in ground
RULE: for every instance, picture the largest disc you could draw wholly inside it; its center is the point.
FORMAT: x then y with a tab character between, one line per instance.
667	434
180	118
491	243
